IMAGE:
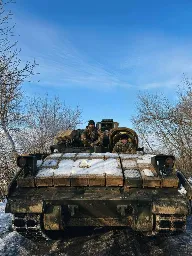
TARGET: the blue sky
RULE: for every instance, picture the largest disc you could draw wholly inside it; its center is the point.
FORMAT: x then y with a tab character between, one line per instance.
101	54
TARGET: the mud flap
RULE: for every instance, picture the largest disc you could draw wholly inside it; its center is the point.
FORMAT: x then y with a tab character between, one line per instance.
144	220
52	218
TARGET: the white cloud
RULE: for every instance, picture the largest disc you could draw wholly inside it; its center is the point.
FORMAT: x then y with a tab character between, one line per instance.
167	83
60	63
158	61
150	61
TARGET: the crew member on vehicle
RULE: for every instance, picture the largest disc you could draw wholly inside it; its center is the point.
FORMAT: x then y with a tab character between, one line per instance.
124	145
91	136
168	167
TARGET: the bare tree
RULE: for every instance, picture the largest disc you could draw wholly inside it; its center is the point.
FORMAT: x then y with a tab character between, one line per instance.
11	77
7	164
34	127
44	118
169	124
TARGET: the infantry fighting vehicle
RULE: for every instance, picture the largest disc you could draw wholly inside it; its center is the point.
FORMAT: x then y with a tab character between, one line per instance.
76	186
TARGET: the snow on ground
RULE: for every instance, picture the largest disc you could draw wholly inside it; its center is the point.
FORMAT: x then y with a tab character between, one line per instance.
5	220
11	243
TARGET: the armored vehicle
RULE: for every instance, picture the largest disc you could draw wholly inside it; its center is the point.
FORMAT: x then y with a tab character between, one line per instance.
76	186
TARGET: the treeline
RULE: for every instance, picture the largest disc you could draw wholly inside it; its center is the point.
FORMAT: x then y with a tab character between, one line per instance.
166	127
26	124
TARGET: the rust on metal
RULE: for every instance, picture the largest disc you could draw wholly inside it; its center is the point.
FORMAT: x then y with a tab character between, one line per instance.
170	223
52	218
152	182
79	180
26	182
170	207
26	206
115	222
169	182
61	181
112	180
44	181
36	208
96	180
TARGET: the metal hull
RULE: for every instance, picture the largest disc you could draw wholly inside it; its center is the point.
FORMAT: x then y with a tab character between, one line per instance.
145	210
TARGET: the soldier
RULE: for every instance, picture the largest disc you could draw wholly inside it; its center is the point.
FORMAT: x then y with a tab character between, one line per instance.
169	166
91	136
124	146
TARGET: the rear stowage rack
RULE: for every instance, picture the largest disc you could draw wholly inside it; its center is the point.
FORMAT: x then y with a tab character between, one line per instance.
28	225
165	222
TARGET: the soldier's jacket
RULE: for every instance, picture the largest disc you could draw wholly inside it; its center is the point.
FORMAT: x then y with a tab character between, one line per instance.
63	136
120	147
91	136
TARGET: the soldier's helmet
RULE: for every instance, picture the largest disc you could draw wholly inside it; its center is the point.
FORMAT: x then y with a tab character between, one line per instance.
169	162
124	137
91	122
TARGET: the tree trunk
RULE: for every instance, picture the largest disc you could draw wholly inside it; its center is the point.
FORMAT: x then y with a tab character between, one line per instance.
10	139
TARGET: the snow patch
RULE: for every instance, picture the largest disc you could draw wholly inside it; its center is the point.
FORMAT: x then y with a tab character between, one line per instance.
5	220
50	163
56	155
12	244
182	190
146	159
64	168
84	164
95	166
148	172
39	162
128	156
83	155
77	170
69	155
97	155
111	167
127	164
132	174
111	155
45	172
190	180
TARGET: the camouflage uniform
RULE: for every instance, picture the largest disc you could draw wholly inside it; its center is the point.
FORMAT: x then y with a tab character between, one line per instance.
168	168
121	147
90	136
